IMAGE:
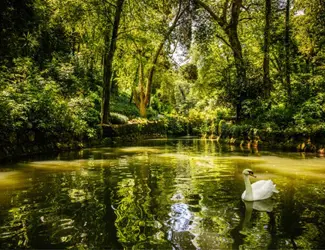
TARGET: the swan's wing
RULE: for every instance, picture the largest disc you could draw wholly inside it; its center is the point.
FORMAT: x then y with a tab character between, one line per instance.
256	186
263	189
259	184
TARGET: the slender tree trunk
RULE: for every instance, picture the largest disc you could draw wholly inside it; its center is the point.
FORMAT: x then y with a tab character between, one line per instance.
106	94
141	100
73	45
114	84
108	63
232	33
131	96
143	109
266	50
287	52
145	92
133	92
240	69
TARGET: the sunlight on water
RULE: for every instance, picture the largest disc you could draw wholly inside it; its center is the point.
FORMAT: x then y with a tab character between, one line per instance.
140	150
302	168
13	179
168	195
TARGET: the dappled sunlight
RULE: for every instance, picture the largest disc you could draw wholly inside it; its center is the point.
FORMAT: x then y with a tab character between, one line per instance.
175	156
55	165
294	168
70	165
78	195
13	179
141	150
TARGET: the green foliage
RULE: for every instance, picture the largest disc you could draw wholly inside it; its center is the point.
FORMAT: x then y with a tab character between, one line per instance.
52	55
240	131
207	120
121	104
189	72
33	101
117	118
311	112
176	125
221	127
278	117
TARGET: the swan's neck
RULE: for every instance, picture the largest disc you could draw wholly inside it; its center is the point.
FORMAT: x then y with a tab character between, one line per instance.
249	191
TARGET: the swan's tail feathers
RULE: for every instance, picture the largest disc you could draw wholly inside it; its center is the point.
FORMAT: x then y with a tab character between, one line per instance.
274	189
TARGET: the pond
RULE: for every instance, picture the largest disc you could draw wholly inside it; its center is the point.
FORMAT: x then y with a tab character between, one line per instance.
162	194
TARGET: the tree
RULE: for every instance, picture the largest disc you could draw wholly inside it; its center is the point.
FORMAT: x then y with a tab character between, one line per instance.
287	51
143	92
266	49
230	28
110	47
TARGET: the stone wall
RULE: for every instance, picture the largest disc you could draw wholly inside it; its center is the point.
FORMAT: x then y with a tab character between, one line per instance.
132	132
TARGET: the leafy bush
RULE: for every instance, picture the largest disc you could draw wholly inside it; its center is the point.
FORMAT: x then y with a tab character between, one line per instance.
31	100
117	118
311	112
121	105
152	114
243	131
278	117
176	125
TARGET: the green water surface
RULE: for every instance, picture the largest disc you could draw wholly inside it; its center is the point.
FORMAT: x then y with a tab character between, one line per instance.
164	194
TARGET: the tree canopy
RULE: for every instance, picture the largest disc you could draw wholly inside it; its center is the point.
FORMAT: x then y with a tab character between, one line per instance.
71	65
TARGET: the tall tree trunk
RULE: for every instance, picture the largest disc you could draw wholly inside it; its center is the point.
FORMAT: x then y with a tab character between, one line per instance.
266	50
287	52
106	81
231	30
142	95
108	62
240	68
114	84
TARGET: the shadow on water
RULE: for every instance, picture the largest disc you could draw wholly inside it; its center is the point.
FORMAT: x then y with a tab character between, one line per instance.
166	194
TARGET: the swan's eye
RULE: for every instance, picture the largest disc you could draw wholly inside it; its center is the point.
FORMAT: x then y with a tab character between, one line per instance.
250	172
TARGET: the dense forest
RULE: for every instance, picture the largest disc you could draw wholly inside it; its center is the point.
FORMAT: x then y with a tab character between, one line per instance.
69	66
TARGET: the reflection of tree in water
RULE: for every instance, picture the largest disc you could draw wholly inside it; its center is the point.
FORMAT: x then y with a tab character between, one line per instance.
46	214
305	212
109	216
188	199
314	216
300	217
60	210
289	219
136	224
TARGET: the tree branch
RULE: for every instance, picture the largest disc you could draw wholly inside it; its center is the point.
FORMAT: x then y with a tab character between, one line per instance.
155	58
245	18
219	20
223	39
224	11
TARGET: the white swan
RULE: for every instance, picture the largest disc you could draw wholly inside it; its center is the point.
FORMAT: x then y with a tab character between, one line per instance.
259	190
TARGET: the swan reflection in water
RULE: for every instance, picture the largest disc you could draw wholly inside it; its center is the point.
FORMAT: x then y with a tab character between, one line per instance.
261	206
